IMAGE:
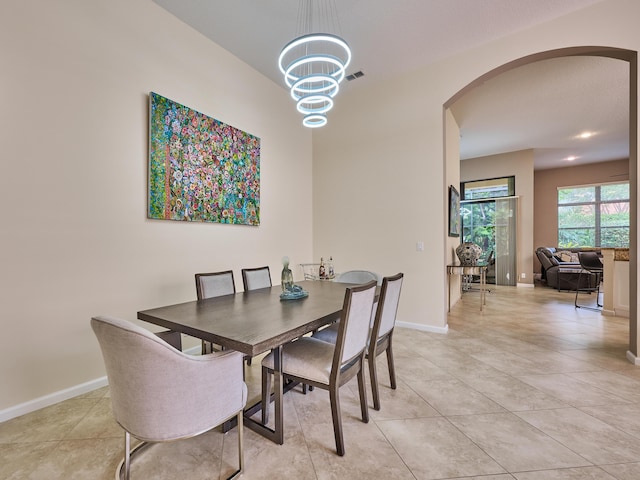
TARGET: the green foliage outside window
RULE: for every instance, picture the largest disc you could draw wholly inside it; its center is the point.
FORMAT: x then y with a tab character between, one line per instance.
594	216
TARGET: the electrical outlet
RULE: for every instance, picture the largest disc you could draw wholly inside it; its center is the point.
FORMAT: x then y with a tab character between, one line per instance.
523	275
420	246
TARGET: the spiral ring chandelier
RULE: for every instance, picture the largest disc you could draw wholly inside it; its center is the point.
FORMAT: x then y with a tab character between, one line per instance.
314	64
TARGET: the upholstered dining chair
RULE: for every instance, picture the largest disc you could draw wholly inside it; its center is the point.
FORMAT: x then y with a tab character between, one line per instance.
381	335
255	278
357	276
149	381
329	366
215	284
591	270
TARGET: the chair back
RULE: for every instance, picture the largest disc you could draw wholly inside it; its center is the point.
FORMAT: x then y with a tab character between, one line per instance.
215	284
353	331
590	261
148	379
385	317
357	276
255	278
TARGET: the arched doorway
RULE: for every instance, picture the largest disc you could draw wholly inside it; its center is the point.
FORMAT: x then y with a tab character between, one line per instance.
620	54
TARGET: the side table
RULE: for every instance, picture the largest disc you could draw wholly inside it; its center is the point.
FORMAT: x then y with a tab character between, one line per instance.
480	270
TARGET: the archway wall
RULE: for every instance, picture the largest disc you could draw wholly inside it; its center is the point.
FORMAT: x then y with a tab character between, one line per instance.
389	138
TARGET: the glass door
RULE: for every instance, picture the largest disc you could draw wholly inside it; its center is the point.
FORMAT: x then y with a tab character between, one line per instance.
491	224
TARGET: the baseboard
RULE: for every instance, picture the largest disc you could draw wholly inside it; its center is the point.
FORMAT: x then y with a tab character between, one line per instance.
526	285
66	394
423	328
51	399
632	358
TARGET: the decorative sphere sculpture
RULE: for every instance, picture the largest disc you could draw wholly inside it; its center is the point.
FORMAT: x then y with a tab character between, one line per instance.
468	253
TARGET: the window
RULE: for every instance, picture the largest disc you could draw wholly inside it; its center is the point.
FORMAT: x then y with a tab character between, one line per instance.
594	216
490	188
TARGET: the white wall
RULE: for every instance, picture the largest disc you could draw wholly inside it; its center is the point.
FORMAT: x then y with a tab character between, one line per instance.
75	242
520	165
383	150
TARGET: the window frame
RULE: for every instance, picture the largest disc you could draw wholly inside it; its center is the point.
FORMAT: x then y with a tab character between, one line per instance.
597	226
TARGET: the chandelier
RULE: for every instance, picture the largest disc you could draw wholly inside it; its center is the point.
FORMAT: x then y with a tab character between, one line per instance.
314	63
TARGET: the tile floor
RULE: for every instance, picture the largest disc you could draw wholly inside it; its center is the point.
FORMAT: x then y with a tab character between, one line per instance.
530	389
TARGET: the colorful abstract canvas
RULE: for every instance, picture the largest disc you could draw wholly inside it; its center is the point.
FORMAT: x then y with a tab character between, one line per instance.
201	169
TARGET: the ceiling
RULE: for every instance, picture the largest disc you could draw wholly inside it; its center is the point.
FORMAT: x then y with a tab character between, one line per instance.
541	106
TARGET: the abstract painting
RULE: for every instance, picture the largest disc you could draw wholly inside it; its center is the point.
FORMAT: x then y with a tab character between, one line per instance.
201	169
454	212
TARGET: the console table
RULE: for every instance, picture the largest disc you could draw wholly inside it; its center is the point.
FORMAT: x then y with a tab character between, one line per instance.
480	270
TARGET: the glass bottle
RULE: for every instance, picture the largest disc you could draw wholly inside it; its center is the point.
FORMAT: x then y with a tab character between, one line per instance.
286	279
321	271
330	272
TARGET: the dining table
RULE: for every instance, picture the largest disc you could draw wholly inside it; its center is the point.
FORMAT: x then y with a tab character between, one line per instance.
252	323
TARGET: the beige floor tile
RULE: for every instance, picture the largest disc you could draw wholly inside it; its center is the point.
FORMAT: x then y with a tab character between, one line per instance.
510	363
514	395
623	417
500	476
368	455
464	366
314	407
397	404
584	473
515	444
20	459
591	438
48	424
453	397
95	458
572	391
612	382
265	459
412	366
427	446
97	423
625	471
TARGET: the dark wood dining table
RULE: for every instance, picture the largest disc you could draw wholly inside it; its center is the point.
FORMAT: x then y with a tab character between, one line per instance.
255	322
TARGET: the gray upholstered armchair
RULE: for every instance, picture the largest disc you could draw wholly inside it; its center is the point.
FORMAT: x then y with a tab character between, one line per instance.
160	394
358	276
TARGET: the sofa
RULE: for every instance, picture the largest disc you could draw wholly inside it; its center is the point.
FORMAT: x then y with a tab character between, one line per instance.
561	267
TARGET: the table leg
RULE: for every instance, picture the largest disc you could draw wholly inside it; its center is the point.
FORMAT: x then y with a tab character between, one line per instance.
277	388
449	285
483	280
276	435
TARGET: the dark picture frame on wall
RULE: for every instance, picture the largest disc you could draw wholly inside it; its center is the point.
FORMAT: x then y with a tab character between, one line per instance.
454	212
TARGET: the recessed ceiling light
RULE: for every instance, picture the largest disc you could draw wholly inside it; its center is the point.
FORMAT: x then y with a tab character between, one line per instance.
571	158
585	135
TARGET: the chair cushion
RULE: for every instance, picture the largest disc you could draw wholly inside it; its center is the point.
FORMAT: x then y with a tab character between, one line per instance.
306	358
329	334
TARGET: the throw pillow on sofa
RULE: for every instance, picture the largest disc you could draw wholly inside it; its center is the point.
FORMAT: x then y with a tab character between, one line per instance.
565	256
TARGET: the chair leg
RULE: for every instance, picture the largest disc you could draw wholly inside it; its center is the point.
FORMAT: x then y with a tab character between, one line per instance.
240	442
266	394
238	472
127	454
337	419
391	365
362	388
373	375
578	290
589	289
